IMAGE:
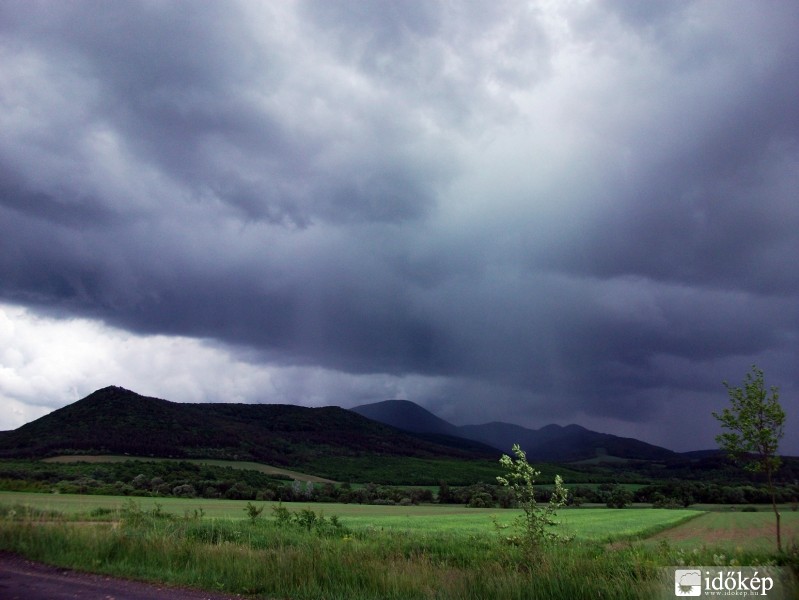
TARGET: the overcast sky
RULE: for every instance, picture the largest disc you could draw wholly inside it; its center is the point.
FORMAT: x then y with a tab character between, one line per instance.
562	211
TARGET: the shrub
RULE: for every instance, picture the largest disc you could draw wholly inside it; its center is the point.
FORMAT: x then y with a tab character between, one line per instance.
619	498
536	521
282	514
253	512
186	490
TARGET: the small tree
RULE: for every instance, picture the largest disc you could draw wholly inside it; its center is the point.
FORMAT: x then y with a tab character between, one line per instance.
536	520
296	489
619	498
755	422
444	494
253	512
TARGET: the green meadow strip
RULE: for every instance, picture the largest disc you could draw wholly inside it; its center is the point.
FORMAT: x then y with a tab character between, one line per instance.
349	551
241	557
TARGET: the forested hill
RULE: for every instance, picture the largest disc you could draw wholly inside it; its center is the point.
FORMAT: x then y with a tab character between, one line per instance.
114	420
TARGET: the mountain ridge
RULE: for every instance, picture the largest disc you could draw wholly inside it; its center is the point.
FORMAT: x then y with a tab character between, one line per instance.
114	420
550	443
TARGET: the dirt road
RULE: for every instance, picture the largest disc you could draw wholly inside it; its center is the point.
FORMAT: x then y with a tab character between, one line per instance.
21	579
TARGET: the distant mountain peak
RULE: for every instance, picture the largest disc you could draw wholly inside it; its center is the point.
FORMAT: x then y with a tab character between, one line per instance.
117	420
407	415
552	427
396	402
552	443
114	420
113	388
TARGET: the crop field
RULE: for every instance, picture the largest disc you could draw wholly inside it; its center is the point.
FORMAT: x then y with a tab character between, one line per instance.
732	531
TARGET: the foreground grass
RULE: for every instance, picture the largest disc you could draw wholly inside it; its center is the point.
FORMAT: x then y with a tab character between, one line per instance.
265	559
375	551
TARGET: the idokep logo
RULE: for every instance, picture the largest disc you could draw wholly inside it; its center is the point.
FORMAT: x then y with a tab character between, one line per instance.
687	582
723	581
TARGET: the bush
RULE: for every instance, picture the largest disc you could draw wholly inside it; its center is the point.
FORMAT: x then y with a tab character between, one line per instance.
253	512
619	498
310	521
481	500
186	490
536	521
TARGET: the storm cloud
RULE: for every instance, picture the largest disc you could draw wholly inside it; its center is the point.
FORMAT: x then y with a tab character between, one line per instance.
554	212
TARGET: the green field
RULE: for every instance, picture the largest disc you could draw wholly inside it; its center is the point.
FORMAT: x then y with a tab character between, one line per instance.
233	464
680	528
592	523
371	552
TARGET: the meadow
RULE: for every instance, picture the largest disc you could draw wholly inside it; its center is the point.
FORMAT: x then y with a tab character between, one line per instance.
233	464
366	551
585	524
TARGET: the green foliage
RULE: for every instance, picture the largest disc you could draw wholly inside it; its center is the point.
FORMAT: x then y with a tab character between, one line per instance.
756	424
253	512
117	421
308	520
133	515
282	514
26	512
536	520
619	497
289	561
404	470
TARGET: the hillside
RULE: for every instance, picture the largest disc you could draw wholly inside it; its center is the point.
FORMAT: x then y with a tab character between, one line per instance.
114	420
552	443
406	415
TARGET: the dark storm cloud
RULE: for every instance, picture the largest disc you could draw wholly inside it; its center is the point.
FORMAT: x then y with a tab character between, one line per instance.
553	212
706	199
200	95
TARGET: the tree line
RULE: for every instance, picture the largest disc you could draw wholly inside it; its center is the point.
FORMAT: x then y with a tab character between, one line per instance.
185	479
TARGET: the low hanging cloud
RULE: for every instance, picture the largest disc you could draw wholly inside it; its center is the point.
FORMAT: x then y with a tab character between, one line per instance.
569	212
47	362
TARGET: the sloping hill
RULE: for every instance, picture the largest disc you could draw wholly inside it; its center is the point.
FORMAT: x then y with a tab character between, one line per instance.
409	416
114	420
552	443
406	415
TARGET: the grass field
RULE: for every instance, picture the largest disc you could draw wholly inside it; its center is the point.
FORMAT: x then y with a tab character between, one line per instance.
680	528
233	464
394	552
593	523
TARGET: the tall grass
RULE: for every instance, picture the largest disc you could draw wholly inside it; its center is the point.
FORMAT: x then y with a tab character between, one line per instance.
321	558
332	562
